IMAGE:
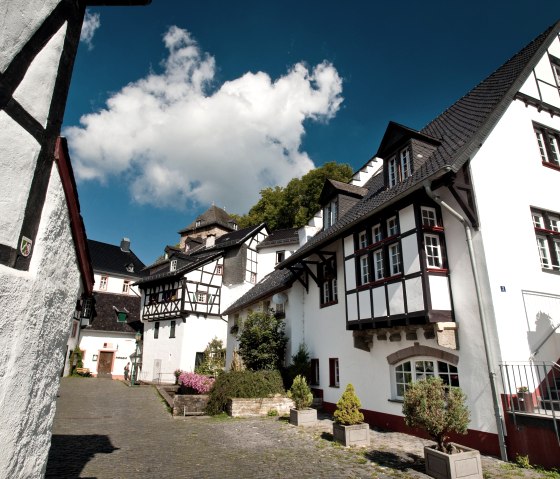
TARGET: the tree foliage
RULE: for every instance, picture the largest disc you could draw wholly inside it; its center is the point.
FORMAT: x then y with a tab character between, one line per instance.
300	393
348	408
262	341
214	358
430	405
294	205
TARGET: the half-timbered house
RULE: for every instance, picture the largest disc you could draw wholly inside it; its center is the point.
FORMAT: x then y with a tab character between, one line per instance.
185	293
446	265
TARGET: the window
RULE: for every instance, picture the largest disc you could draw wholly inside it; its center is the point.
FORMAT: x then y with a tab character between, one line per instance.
392	172
253	278
547	141
198	359
392	226
428	216
280	256
433	251
197	223
201	297
362	240
279	309
378	264
364	270
399	167
395	259
156	330
406	167
555	64
330	214
86	308
126	286
547	226
377	234
219	270
314	380
173	265
327	281
74	329
334	373
103	283
172	330
415	370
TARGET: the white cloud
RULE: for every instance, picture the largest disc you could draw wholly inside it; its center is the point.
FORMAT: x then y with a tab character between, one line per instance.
90	25
176	142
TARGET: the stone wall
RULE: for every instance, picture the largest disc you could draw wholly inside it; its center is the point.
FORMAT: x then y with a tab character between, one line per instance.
244	407
189	404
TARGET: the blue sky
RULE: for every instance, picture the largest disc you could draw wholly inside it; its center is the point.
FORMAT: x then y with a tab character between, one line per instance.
179	104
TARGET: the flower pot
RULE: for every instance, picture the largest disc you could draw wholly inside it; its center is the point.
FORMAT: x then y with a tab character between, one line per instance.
303	417
464	464
526	402
355	435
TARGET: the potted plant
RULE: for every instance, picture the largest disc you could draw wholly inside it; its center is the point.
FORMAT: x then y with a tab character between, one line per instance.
302	414
525	399
440	410
349	427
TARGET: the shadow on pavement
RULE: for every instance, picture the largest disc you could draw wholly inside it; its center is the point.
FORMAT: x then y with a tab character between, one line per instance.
69	454
401	462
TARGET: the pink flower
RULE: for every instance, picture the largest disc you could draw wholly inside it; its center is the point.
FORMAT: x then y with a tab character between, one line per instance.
198	382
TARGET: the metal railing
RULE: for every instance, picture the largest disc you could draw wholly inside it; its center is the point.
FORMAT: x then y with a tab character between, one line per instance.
532	388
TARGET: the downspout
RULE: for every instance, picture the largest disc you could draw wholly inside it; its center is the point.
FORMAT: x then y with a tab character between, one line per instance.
482	314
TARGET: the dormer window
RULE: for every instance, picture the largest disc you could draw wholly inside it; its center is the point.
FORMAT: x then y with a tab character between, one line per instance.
330	214
173	265
130	268
197	223
399	167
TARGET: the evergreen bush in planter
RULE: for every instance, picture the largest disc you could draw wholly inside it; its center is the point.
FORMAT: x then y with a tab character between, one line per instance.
300	392
348	427
439	410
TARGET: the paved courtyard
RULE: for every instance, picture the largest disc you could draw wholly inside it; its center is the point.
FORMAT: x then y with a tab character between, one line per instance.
106	430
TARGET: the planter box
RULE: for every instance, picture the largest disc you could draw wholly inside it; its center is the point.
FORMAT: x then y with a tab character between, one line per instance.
303	417
247	407
462	465
189	404
356	435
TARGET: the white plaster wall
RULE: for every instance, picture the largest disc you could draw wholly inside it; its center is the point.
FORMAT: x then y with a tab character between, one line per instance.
35	315
121	344
115	284
511	155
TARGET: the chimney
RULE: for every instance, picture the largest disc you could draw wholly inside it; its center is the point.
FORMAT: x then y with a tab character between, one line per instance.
125	245
210	241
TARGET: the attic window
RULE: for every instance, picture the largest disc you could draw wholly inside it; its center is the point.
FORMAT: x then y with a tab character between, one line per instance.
399	167
130	268
197	223
330	214
173	265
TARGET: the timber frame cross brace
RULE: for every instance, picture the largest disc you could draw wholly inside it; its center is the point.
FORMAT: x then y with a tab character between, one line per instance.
326	257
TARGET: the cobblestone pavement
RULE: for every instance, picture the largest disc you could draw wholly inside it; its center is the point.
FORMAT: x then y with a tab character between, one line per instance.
106	430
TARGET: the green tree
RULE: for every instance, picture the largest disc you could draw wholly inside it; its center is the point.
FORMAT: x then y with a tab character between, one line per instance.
439	410
262	341
301	393
348	408
294	205
214	358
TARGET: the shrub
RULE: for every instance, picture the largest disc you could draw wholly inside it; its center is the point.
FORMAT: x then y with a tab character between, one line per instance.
262	341
301	366
195	383
300	393
243	384
439	410
214	358
348	408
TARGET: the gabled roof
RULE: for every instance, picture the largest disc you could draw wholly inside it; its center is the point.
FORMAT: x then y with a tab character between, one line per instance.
108	258
236	238
213	216
462	128
397	134
280	237
106	307
278	280
333	187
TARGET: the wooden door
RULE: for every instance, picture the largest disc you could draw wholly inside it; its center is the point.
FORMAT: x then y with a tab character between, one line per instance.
104	363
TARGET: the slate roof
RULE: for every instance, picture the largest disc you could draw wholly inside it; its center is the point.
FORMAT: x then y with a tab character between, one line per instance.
106	316
334	186
278	280
280	237
108	258
212	216
460	130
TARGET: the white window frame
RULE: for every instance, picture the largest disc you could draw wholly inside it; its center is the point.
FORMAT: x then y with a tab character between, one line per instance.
126	286
376	233
378	264
219	269
544	253
103	282
362	240
280	256
392	171
417	368
392	226
406	165
394	258
201	297
173	265
548	143
432	247
365	275
429	217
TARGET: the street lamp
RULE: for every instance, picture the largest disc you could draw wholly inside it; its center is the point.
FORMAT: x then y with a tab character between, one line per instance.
134	375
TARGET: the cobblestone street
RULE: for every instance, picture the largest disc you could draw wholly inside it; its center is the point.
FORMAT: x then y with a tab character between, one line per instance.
106	430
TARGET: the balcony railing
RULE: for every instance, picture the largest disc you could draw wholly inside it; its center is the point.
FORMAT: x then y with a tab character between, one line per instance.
532	388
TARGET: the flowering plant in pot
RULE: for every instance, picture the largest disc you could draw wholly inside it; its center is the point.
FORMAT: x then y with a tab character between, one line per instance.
440	410
349	427
302	414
